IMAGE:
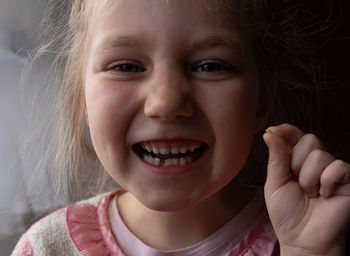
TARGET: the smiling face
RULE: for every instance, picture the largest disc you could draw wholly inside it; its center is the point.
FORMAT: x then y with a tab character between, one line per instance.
171	99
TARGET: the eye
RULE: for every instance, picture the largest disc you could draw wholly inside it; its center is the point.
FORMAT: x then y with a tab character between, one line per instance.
211	67
125	67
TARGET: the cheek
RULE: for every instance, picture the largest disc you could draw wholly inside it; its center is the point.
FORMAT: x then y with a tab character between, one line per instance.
103	119
233	120
231	110
108	113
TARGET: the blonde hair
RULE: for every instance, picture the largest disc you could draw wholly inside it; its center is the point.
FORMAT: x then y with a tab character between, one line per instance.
74	150
64	35
279	49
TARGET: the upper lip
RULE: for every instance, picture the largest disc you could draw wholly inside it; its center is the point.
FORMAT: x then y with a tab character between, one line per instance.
170	133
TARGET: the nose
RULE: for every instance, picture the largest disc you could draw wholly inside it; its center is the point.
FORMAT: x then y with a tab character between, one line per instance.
168	97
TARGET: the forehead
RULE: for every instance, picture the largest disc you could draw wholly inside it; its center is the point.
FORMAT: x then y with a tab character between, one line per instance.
165	19
216	8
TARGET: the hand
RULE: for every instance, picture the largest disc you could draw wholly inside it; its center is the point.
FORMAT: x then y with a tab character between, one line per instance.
307	193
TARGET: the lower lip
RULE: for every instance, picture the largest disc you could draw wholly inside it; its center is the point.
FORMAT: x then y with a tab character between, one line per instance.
174	170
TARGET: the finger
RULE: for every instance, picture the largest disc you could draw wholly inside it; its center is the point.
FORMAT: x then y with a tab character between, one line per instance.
301	150
315	164
278	166
342	190
288	132
336	178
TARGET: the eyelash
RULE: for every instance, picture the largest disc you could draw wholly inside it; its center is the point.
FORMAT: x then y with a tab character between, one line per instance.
223	67
126	67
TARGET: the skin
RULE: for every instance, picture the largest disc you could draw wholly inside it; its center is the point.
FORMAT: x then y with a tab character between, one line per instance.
307	193
168	95
172	98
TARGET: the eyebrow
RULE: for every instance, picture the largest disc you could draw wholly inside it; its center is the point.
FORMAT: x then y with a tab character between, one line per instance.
129	41
230	43
112	42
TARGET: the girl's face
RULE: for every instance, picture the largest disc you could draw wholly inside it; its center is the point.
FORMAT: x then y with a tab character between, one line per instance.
165	79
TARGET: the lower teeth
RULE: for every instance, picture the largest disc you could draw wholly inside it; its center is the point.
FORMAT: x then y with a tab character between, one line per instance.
167	162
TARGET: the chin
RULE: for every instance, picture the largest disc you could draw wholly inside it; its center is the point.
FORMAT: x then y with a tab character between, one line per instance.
167	203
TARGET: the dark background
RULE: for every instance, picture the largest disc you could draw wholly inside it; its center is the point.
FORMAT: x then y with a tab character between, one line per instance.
335	100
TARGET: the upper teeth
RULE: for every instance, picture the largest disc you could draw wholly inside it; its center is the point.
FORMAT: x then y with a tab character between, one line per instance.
173	149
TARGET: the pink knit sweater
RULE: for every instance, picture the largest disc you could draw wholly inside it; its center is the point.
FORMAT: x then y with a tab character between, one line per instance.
84	229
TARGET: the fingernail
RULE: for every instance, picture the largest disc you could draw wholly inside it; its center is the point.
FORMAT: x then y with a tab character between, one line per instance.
273	129
269	130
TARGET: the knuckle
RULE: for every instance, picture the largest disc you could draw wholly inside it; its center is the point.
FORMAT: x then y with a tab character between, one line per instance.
313	140
337	172
334	168
274	161
271	162
311	137
286	125
327	179
317	155
339	164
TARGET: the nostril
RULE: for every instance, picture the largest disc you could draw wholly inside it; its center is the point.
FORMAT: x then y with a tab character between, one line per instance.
168	102
169	111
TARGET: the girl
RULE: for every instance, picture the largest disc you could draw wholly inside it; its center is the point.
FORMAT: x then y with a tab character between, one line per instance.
172	94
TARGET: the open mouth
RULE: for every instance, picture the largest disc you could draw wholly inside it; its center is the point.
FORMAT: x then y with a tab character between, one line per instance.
172	155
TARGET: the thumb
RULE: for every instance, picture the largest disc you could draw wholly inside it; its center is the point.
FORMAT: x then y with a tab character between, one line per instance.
278	172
